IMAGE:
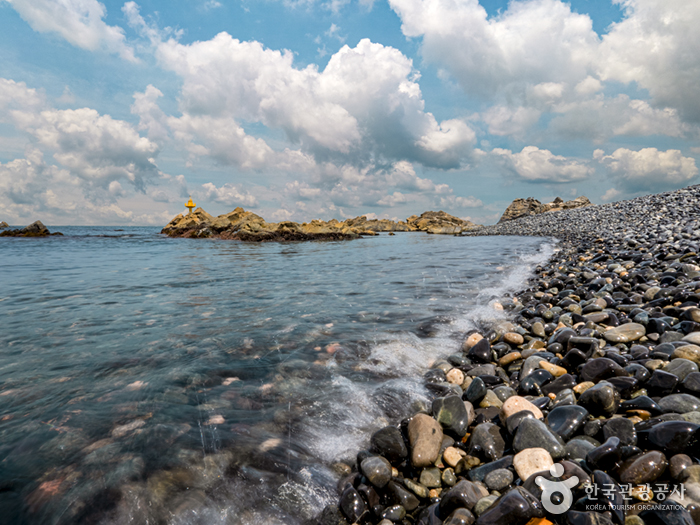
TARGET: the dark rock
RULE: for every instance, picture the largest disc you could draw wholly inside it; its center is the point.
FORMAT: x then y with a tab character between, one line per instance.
621	428
475	392
515	507
678	464
601	368
679	403
377	470
670	436
460	517
562	382
451	413
463	494
671	514
661	383
479	473
401	496
643	468
641	403
389	442
566	420
607	456
351	505
533	433
486	440
480	352
499	479
601	399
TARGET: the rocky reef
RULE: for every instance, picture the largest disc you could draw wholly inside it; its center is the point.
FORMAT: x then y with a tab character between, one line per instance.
531	206
581	407
244	225
35	229
3	225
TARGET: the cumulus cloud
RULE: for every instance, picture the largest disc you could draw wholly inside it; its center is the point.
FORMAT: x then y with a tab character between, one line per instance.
151	118
600	118
652	47
348	186
648	169
97	148
229	195
610	195
503	120
80	22
533	42
33	189
540	56
365	106
540	165
16	95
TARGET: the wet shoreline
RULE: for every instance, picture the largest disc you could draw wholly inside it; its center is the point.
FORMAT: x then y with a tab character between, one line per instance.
596	375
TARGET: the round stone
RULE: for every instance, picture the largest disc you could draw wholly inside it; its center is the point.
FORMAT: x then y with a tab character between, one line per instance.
515	404
625	333
498	479
513	338
455	376
531	460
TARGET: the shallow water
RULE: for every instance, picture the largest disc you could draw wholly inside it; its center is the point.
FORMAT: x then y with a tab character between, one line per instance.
153	380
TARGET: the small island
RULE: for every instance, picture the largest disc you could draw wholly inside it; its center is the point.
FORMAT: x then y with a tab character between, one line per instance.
242	225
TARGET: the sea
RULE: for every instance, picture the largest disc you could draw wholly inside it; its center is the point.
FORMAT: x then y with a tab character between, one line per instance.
151	380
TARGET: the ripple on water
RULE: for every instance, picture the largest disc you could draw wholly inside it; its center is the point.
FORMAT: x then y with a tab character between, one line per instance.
147	379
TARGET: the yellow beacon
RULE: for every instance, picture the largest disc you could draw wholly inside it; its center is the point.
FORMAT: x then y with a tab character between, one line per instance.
190	205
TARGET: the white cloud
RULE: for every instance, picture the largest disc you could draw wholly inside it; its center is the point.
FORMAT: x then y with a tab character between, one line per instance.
229	195
649	169
151	117
610	195
392	200
600	118
32	190
540	165
80	22
16	95
453	201
96	148
532	42
654	46
538	55
364	106
503	120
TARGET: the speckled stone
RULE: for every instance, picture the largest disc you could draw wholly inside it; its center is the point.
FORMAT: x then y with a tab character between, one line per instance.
498	479
625	333
532	460
425	438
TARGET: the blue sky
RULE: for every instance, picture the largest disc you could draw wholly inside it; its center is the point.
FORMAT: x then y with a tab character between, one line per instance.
114	112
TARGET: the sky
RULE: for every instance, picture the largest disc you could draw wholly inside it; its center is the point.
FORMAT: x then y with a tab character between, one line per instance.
113	113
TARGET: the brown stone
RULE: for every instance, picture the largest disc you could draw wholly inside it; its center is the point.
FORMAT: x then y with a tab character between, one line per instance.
425	438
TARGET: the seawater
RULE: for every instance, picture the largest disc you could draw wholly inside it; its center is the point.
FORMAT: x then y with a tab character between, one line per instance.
145	379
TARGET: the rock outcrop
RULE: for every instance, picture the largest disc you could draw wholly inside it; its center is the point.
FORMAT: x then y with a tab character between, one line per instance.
35	229
244	225
530	206
3	225
439	222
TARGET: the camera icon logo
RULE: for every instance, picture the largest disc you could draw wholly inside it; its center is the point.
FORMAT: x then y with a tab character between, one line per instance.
550	488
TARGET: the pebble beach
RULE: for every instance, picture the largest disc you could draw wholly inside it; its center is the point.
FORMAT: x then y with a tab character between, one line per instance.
582	408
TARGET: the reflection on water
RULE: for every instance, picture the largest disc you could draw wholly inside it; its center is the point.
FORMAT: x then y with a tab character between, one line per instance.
153	380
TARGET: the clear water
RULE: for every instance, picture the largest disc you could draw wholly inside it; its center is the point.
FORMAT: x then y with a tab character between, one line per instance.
153	380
